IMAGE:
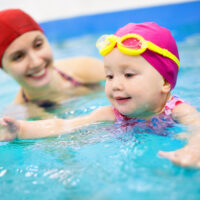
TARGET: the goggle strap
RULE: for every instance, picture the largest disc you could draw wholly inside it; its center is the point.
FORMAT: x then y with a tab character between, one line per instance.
163	52
112	39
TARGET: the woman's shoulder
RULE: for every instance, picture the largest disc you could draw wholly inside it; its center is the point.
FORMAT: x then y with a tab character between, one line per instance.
64	65
19	99
83	69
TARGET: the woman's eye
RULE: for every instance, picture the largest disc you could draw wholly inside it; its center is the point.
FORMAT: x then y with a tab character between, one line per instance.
109	77
38	44
18	56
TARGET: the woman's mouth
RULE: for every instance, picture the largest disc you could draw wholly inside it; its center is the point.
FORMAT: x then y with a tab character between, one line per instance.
39	75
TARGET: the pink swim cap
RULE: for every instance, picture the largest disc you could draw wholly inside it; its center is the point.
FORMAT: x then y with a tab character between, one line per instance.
161	37
13	23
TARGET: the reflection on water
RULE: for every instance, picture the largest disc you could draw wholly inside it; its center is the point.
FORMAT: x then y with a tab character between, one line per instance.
101	157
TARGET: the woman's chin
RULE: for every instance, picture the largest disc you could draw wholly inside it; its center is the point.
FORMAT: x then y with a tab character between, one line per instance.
39	82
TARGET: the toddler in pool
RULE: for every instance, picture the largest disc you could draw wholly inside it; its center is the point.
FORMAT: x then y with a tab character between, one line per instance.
141	63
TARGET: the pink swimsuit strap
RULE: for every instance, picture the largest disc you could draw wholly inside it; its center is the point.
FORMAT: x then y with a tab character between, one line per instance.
170	105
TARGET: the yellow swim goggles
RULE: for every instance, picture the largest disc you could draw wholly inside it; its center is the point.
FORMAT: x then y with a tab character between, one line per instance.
106	43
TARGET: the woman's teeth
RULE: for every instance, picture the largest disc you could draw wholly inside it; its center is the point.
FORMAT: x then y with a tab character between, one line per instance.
39	73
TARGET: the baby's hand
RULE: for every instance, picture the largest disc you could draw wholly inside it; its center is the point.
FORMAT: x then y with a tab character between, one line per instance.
8	128
188	156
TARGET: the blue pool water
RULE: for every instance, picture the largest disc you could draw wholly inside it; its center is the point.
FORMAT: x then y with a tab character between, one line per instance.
102	161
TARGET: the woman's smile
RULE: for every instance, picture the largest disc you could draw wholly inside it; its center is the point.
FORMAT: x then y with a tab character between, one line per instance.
39	75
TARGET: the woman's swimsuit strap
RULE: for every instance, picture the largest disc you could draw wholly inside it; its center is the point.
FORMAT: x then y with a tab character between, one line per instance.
68	78
65	76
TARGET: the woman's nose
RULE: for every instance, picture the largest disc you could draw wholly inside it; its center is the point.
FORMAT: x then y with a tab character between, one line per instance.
34	60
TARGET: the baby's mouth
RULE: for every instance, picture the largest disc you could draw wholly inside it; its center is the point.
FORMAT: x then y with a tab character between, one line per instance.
122	99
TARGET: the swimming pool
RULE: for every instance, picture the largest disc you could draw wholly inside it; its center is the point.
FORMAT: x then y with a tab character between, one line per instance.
101	161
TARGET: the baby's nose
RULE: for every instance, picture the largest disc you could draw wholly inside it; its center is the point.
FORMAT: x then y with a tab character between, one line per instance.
117	84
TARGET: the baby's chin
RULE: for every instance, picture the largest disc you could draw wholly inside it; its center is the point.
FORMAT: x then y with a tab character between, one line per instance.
140	115
127	113
124	110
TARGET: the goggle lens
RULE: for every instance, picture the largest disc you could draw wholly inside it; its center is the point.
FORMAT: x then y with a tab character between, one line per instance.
103	42
132	43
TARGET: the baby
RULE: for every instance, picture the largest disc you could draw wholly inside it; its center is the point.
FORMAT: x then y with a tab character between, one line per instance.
141	63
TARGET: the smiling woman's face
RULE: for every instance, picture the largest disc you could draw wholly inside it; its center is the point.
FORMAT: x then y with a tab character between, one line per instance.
28	59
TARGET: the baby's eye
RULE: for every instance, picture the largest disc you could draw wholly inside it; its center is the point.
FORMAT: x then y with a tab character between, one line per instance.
109	77
129	75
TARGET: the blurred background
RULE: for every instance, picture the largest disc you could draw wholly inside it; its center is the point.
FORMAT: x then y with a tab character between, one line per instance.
45	10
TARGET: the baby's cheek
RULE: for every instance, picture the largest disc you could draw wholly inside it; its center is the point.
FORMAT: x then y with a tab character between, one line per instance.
107	92
107	87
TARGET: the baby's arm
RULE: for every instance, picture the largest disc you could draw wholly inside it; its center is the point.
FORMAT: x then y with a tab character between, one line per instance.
190	154
10	128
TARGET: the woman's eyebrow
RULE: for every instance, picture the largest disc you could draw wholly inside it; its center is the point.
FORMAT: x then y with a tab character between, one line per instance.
37	37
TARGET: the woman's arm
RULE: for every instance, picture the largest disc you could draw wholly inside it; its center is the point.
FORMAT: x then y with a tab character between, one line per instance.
10	128
23	110
83	69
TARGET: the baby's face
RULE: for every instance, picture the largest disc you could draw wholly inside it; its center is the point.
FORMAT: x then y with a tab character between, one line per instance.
133	86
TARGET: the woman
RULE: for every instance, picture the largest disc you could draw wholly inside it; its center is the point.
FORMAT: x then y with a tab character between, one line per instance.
25	54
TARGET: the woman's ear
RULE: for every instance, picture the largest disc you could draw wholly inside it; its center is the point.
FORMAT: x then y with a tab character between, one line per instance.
166	87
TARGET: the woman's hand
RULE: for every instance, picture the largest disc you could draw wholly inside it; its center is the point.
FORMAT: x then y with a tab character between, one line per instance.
9	128
188	156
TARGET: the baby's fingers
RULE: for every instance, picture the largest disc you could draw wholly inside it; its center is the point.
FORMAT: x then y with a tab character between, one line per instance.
8	129
11	124
174	157
183	159
170	155
2	123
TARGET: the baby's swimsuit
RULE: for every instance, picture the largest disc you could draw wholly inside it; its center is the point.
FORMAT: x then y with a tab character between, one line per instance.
157	123
49	103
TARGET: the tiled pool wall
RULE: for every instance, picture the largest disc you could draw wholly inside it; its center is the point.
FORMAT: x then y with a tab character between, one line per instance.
171	16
